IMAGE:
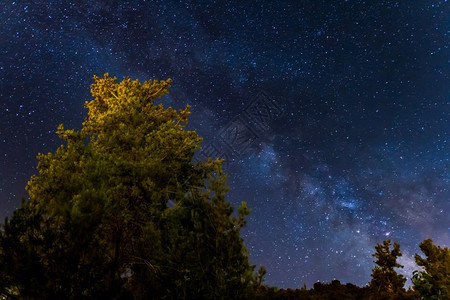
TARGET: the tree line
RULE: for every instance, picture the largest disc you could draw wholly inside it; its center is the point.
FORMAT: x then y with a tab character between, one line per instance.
122	211
432	282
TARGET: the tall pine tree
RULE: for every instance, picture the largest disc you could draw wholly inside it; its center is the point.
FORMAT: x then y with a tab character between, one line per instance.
98	223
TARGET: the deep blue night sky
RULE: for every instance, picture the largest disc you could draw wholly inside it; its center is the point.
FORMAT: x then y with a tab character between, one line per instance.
358	151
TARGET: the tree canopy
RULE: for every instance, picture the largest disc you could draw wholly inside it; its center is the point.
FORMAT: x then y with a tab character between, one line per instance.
434	281
98	224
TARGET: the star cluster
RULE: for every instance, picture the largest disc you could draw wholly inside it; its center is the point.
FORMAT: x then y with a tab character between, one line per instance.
360	153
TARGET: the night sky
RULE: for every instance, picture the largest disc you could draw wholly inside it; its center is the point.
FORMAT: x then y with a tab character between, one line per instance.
351	145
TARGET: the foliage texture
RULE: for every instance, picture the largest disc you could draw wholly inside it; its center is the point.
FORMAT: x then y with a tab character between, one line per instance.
122	211
434	281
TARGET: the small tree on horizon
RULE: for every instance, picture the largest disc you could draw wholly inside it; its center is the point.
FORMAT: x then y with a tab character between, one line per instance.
386	283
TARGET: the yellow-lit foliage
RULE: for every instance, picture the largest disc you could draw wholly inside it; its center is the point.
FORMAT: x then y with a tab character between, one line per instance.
102	223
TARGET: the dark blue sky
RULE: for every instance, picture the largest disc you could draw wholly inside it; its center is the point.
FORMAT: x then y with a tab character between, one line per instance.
355	148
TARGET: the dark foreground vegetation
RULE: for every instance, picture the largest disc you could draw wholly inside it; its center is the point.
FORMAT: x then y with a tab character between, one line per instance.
431	283
122	211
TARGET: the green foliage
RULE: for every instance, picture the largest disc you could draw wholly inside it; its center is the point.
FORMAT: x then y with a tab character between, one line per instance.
98	225
386	283
434	281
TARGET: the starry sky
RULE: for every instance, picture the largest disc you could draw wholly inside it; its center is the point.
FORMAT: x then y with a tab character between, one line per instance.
352	144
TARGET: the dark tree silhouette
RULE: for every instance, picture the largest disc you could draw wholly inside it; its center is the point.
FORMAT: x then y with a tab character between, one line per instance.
386	283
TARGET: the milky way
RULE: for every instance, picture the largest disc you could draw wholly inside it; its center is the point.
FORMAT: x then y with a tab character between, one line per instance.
355	148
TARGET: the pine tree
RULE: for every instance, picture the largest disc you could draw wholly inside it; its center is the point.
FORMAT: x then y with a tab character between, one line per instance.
434	281
98	223
386	283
